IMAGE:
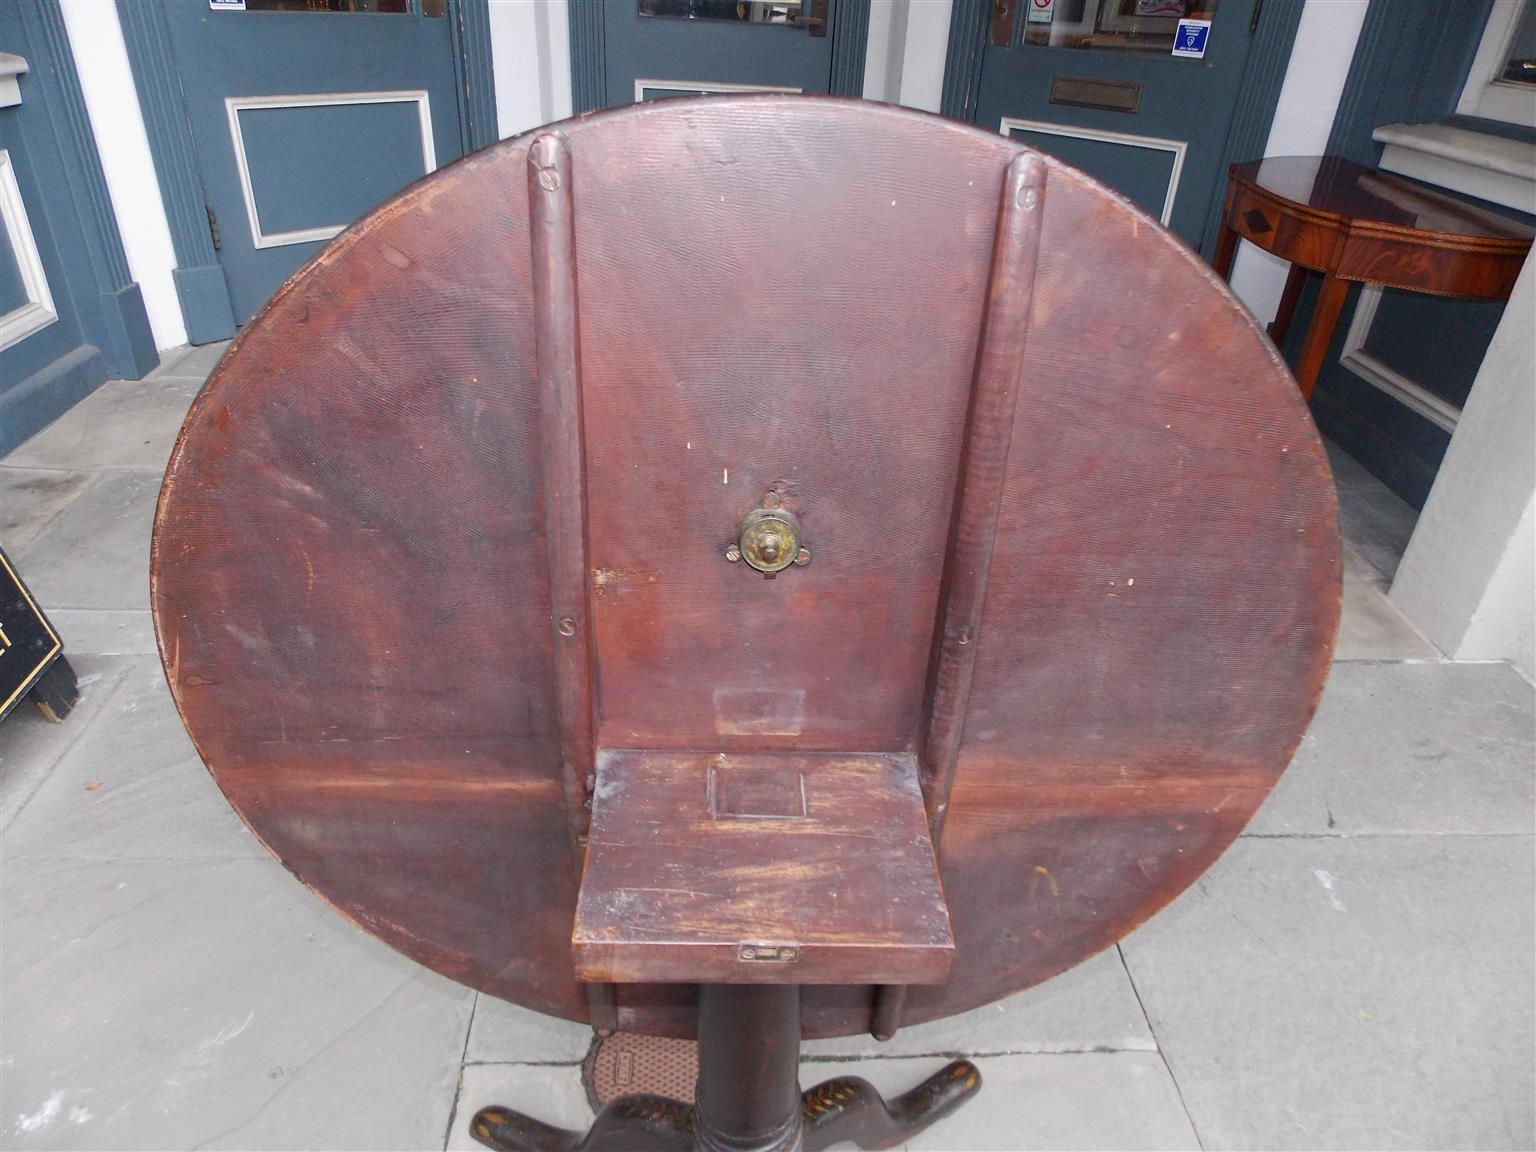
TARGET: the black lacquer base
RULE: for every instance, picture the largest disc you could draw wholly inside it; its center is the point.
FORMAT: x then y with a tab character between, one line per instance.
748	1098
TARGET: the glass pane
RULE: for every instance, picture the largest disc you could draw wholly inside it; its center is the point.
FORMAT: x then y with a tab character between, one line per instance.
1520	65
1118	25
400	6
735	11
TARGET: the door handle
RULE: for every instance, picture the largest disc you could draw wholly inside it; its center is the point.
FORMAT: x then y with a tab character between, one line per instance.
813	21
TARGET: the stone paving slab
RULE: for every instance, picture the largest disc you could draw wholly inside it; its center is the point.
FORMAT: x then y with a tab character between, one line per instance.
95	553
1089	1100
510	1033
1371	628
1093	1100
1357	566
1349	475
1092	1006
131	787
30	746
1359	992
217	1004
191	362
105	631
1377	519
30	498
551	1093
123	424
1429	748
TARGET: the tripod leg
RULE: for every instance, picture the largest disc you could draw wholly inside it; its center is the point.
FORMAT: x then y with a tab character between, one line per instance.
850	1108
629	1124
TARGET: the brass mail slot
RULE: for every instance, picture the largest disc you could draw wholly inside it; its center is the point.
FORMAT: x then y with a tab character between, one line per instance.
1085	92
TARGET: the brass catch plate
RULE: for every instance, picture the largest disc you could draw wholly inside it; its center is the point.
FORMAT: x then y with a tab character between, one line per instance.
769	539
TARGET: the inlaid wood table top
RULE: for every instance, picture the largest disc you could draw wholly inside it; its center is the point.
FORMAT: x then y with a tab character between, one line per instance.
1349	192
934	499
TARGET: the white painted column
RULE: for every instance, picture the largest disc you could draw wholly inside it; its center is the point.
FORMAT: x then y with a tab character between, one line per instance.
1468	578
530	63
887	48
1309	98
112	103
921	77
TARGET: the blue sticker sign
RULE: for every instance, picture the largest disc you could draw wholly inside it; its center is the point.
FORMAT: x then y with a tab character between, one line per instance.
1190	39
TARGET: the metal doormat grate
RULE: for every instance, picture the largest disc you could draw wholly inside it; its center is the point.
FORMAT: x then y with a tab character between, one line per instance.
624	1063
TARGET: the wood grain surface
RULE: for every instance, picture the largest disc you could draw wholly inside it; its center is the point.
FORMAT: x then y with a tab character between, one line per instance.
760	868
352	563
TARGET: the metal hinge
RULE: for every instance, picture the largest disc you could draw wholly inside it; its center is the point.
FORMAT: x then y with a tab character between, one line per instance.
213	228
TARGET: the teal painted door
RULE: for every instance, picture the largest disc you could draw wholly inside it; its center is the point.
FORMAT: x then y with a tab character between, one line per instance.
305	114
651	49
1097	83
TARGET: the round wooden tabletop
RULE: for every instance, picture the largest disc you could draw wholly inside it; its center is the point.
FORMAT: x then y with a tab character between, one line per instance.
351	574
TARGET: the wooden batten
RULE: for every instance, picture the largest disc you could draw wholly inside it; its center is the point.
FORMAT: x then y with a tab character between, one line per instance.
553	240
983	469
552	231
973	532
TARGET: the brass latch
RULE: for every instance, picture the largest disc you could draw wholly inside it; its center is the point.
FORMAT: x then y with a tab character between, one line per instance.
769	539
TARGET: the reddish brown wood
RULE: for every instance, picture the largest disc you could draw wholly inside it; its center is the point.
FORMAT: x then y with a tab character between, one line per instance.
983	471
1226	239
768	868
1357	225
351	569
552	229
1295	280
1325	315
1000	26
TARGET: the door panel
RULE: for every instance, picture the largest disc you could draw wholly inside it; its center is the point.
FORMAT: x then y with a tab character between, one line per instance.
1147	169
308	168
303	120
660	48
1161	145
38	326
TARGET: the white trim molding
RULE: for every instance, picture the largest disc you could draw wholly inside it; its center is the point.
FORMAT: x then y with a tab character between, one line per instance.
12	66
1177	147
707	86
38	312
234	105
1492	168
1487	93
1377	372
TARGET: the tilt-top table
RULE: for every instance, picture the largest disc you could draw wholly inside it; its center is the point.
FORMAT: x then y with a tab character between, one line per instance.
749	568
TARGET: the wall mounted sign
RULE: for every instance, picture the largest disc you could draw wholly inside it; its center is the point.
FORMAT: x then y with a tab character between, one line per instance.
1191	37
28	643
1040	11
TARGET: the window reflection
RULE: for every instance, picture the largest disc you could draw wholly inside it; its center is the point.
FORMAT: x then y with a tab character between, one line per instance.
1118	25
434	9
1520	64
734	11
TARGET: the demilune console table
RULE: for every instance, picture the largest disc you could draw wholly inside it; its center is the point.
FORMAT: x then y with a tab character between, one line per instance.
1353	224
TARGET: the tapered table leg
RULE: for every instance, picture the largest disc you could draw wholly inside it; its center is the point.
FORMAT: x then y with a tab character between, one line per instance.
1226	251
1325	315
1287	309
